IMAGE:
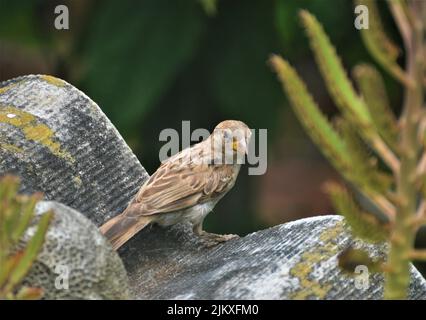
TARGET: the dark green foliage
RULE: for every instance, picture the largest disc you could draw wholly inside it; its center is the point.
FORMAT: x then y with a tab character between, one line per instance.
123	41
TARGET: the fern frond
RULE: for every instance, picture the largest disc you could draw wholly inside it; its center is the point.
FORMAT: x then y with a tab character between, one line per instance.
338	84
336	79
309	114
364	163
322	133
372	88
380	46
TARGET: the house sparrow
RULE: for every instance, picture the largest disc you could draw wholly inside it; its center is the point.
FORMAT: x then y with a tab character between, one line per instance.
186	187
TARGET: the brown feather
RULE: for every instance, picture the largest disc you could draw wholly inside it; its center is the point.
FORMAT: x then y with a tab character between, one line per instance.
180	183
121	228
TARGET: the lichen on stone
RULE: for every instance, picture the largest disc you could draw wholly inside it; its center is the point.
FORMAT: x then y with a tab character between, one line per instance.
77	181
33	130
53	80
8	87
10	147
310	287
302	271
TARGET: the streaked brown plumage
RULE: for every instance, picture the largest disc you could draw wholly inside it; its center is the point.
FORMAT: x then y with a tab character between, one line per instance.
186	187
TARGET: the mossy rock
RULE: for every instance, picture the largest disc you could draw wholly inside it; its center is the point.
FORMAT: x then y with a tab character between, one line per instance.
60	142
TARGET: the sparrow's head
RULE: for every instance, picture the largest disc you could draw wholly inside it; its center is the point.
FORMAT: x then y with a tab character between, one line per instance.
233	134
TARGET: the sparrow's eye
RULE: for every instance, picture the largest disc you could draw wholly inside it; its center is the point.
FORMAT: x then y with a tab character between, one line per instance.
227	134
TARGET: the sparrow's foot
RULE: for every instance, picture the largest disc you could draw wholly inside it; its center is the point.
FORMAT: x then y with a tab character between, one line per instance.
213	239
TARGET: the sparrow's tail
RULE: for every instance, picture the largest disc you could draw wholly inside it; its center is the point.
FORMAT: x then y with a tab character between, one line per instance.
121	228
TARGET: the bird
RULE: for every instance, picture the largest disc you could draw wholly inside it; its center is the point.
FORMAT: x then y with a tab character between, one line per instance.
186	187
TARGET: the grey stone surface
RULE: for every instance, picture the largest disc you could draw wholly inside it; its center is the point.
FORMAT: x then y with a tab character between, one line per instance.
296	260
76	261
60	142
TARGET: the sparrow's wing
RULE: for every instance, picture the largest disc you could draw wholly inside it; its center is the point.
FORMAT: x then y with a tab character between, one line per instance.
181	183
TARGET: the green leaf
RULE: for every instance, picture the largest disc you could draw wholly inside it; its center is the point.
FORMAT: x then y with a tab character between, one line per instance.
9	186
31	251
16	212
27	293
364	225
373	91
27	213
380	46
335	77
6	268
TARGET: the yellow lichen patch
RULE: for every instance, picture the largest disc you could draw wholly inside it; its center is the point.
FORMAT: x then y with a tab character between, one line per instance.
53	80
306	266
33	130
302	270
39	132
10	147
332	233
15	116
77	181
8	87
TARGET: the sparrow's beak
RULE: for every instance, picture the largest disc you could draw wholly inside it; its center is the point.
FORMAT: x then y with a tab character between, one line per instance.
235	145
239	145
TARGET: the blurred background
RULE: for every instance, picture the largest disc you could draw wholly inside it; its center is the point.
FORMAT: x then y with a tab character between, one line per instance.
151	64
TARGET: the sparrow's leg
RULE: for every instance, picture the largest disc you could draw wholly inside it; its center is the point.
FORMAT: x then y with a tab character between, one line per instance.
211	239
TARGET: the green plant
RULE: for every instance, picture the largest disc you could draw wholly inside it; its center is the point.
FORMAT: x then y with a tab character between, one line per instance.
16	213
366	123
